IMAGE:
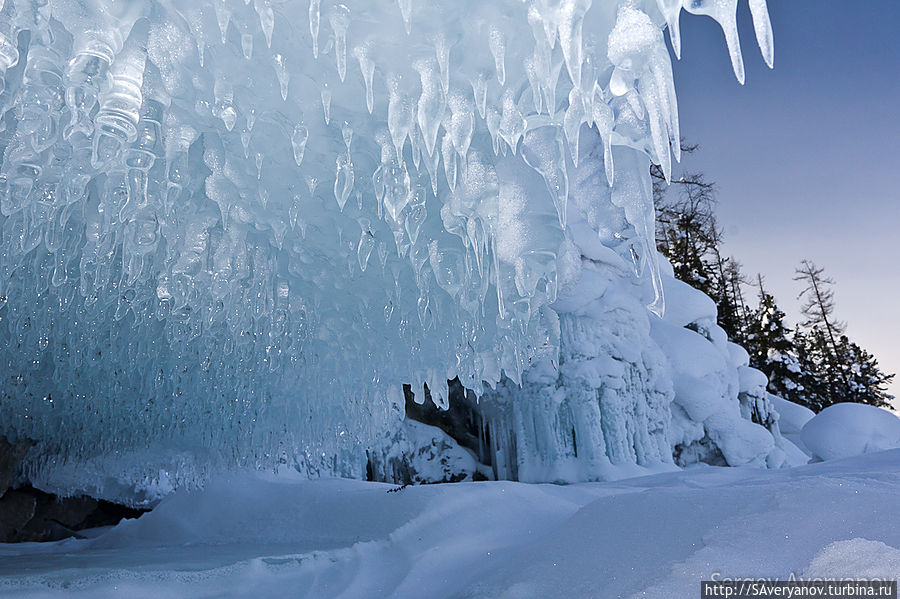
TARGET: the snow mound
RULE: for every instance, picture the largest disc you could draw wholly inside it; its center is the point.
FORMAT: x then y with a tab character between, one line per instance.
849	429
791	416
855	558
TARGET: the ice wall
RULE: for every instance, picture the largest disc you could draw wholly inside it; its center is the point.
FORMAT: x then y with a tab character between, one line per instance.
230	230
630	392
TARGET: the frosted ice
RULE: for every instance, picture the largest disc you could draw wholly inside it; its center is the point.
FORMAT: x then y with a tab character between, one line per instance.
220	236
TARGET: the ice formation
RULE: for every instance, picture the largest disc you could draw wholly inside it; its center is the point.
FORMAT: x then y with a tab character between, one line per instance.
230	230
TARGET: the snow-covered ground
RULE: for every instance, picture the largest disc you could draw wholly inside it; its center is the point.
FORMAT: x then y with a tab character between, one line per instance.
656	536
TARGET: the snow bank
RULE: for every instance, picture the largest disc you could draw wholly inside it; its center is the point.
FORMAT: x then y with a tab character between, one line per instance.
654	537
855	558
849	429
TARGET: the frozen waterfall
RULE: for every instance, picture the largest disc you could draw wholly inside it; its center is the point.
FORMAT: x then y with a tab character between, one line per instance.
231	230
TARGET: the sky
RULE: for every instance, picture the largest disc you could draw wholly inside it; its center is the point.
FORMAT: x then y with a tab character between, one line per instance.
806	157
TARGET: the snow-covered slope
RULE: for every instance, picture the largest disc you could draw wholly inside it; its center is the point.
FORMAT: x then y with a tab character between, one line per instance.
658	536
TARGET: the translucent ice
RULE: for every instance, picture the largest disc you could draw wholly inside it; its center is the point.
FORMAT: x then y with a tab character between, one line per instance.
217	238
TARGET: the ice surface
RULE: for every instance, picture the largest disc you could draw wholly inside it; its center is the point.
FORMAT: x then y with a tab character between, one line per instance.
847	429
228	228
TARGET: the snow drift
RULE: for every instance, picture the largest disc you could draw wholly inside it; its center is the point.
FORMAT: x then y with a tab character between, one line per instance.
231	230
848	429
257	535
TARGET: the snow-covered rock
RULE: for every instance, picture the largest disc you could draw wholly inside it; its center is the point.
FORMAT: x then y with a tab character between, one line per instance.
415	453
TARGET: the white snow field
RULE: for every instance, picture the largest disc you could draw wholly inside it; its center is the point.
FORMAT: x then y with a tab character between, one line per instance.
656	536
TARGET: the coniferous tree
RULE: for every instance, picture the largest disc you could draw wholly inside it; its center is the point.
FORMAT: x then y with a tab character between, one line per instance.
689	237
815	364
726	293
840	370
867	383
814	392
771	347
687	233
818	308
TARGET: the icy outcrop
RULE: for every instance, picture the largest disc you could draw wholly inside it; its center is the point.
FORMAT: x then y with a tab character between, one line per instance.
230	230
416	453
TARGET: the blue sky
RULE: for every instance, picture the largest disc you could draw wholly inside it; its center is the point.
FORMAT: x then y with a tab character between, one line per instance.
807	156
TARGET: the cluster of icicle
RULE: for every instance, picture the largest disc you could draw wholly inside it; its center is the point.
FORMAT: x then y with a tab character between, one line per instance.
238	225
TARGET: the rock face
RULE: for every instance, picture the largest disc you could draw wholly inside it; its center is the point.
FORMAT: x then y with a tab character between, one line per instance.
29	514
11	455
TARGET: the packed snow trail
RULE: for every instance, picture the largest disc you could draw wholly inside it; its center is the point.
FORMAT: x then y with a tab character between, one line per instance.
656	536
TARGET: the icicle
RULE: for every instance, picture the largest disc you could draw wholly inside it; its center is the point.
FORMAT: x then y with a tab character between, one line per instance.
571	17
544	151
223	18
671	10
266	19
479	93
399	115
224	97
406	13
326	103
415	217
498	50
572	121
347	135
282	75
604	119
442	53
299	137
512	123
763	29
367	67
366	243
340	21
725	13
116	122
462	124
449	155
431	103
314	19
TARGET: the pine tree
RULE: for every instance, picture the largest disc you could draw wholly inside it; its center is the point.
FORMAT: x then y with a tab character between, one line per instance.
689	237
771	348
726	292
816	374
687	233
867	383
